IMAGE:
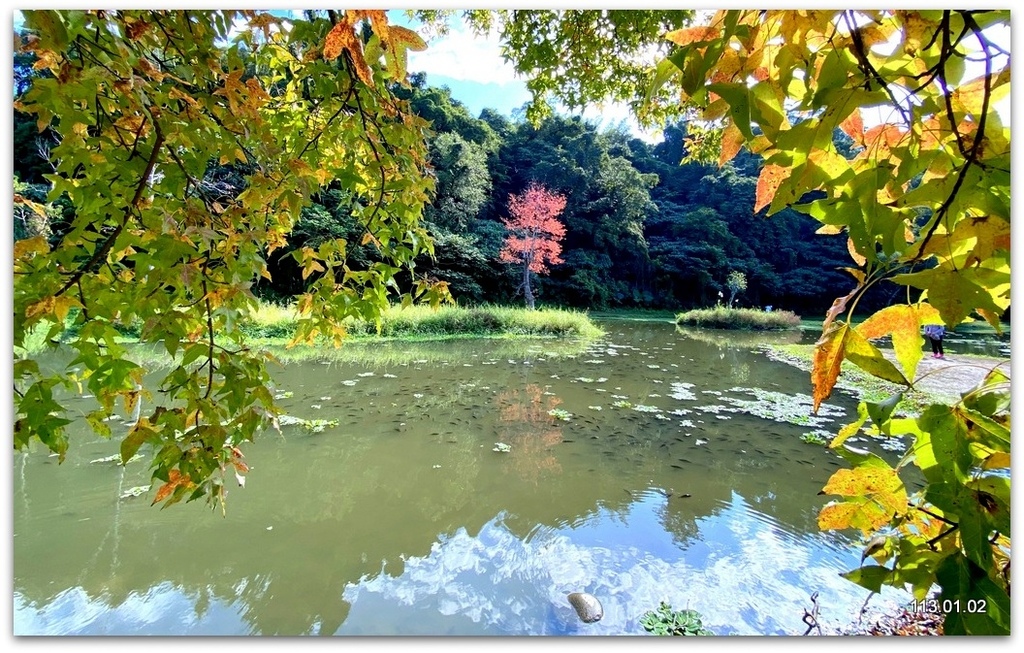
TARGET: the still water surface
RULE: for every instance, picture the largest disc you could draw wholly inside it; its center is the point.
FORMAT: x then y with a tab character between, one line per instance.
403	520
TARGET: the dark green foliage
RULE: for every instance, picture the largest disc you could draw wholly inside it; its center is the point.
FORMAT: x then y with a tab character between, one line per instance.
643	230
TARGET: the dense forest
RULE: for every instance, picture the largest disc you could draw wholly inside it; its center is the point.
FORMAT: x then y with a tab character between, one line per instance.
643	228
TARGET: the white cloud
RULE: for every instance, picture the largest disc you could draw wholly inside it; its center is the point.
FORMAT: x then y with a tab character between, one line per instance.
464	56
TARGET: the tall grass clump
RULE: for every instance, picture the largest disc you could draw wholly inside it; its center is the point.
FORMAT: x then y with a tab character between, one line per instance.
722	317
273	321
423	321
270	321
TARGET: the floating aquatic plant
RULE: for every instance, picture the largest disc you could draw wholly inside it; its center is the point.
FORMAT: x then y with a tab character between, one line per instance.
813	437
136	491
646	409
594	407
781	407
116	458
558	413
681	391
314	425
621	404
715	408
666	621
501	447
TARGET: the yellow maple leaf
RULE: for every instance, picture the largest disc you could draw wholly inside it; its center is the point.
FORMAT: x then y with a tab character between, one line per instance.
903	324
827	362
876	494
41	307
27	246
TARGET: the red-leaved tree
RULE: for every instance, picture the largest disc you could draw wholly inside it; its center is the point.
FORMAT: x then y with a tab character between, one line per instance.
534	233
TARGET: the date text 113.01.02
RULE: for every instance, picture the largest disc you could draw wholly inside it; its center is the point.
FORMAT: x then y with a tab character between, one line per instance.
948	606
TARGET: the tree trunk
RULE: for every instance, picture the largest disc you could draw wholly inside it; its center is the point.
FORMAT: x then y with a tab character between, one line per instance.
526	286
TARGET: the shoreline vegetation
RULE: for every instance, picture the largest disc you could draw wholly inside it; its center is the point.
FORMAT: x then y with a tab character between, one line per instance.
273	325
425	323
749	319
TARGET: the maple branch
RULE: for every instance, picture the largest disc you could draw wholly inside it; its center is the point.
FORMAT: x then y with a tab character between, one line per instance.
931	543
81	298
209	331
948	50
101	253
932	514
376	154
869	70
971	157
344	105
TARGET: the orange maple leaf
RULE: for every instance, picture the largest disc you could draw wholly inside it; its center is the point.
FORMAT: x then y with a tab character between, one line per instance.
343	38
768	183
175	479
689	35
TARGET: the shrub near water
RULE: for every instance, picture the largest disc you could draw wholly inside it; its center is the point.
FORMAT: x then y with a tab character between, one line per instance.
721	317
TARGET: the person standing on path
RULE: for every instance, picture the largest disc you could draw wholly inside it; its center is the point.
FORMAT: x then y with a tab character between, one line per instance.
935	332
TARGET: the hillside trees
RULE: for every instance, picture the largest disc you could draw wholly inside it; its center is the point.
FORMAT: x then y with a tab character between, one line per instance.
144	103
608	200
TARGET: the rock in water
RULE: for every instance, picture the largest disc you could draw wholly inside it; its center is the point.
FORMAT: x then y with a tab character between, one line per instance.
587	607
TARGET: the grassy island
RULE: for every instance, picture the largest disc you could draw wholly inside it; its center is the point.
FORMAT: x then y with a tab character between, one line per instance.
751	319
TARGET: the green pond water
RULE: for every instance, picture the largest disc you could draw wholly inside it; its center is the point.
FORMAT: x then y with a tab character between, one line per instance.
667	472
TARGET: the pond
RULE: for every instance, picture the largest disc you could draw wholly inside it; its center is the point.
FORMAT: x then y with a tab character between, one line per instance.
466	489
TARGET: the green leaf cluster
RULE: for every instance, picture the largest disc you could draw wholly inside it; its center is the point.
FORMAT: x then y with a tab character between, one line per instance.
188	150
954	532
666	621
922	198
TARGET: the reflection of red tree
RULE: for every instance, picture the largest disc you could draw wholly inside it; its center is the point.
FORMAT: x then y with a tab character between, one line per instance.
524	424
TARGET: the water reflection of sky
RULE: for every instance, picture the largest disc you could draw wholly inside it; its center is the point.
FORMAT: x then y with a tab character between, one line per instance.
162	610
746	572
743	571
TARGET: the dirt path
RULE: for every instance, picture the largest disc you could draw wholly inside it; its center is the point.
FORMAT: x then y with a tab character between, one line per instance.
953	375
938	379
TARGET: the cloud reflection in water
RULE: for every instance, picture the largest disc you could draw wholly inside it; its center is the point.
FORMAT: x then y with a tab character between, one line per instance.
742	570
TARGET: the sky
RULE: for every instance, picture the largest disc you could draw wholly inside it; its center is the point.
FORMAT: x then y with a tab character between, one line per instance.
473	69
